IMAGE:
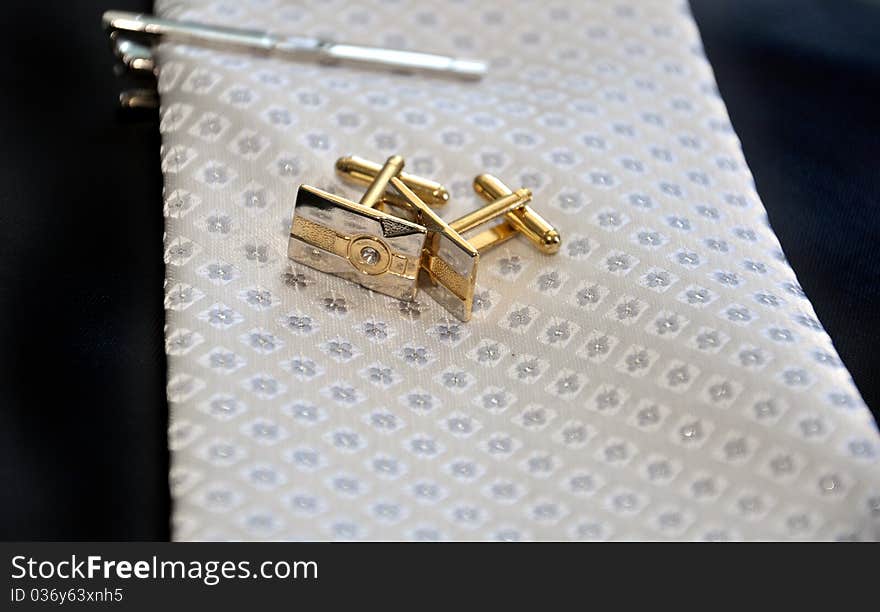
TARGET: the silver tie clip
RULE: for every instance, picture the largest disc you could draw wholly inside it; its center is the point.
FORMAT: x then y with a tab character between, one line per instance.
123	25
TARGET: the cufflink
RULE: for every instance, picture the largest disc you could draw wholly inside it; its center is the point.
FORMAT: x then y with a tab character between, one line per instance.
355	241
449	261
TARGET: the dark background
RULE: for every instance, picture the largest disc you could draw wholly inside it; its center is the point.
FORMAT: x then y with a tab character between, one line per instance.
82	427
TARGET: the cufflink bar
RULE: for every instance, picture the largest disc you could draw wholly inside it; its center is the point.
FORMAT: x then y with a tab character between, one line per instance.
357	242
525	219
360	171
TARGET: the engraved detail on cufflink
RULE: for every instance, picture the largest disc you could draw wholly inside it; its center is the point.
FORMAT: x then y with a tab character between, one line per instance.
356	242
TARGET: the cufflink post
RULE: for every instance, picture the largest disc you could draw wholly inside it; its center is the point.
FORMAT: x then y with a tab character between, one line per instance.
360	171
393	167
524	219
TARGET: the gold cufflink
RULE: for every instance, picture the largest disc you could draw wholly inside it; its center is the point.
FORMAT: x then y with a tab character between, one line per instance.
357	242
449	261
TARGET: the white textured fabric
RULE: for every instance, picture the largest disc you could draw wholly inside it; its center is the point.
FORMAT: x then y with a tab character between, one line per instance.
663	376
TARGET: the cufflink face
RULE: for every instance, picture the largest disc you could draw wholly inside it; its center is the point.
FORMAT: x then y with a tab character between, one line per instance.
360	244
449	262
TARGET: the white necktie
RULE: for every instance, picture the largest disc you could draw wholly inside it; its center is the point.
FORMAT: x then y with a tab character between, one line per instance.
663	376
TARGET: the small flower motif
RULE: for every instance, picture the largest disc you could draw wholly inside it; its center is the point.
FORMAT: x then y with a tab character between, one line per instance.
527	369
679	223
568	384
765	409
648	416
649	238
811	428
795	289
709	212
780	334
728	278
809	322
254	199
598	346
255	252
220	272
697	296
755	266
222	361
640	201
559	332
263	342
380	375
619	262
579	247
410	309
218	224
607	399
210	127
240	96
688	258
588	296
335	305
259	298
795	378
549	281
570	200
708	340
678	376
287	167
717	245
344	394
691	432
610	219
301	324
416	355
180	251
340	350
296	280
767	299
305	368
448	332
658	279
221	316
262	385
215	174
667	325
420	401
637	361
482	301
376	330
750	358
745	234
627	310
721	391
180	296
455	379
738	315
280	116
510	265
519	318
488	353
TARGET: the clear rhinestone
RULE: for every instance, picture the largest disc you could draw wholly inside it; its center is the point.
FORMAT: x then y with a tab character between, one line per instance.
369	256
